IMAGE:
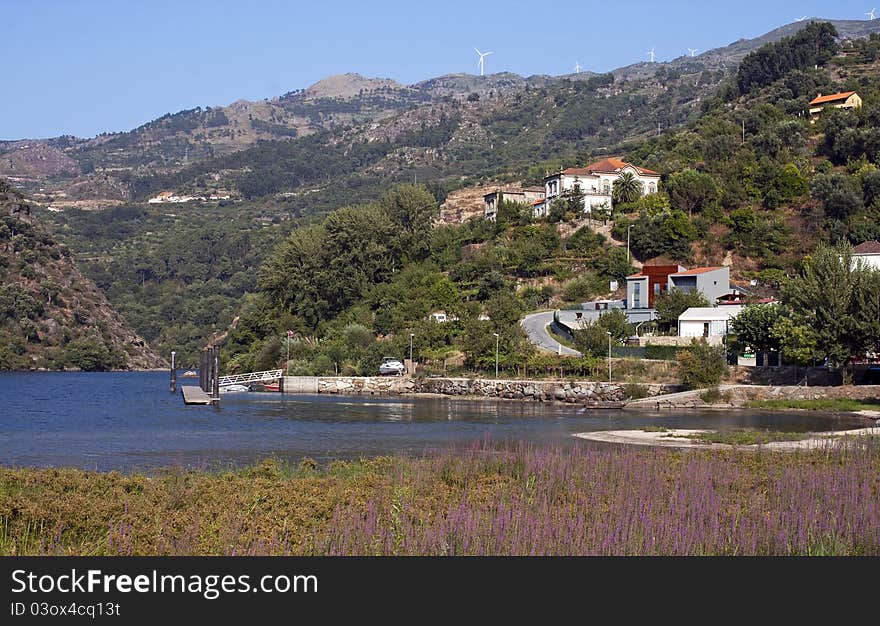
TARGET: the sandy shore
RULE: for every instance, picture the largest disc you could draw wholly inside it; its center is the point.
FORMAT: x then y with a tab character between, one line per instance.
678	438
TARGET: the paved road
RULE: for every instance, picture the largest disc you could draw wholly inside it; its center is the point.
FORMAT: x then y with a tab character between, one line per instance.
535	326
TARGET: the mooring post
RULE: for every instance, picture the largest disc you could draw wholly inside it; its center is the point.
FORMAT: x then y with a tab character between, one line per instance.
209	362
216	381
173	373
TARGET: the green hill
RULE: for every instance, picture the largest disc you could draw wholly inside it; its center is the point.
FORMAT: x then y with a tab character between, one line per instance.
51	316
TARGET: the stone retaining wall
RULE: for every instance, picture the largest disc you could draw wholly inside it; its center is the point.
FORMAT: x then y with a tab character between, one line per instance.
583	392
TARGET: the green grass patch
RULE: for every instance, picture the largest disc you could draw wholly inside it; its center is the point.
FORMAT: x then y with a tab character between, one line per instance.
655	429
746	437
818	404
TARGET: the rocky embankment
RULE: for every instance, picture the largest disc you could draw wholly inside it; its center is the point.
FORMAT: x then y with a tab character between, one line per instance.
580	392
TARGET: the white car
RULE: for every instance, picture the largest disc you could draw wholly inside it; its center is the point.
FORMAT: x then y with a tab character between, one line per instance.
391	365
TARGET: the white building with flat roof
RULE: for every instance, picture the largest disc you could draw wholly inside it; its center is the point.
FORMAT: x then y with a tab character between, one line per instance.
707	321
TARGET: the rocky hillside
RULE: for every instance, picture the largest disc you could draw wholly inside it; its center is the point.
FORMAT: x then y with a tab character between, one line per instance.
51	316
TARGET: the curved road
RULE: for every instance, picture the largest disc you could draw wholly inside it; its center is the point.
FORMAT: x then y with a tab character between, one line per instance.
535	326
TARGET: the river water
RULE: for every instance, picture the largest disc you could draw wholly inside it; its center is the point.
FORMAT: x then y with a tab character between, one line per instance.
130	421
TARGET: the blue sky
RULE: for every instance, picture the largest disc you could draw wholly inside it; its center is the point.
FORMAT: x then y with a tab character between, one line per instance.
82	67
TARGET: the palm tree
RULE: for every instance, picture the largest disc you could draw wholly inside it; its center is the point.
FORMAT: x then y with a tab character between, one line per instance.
627	188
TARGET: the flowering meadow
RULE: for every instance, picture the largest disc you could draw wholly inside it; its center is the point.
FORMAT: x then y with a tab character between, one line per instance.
483	500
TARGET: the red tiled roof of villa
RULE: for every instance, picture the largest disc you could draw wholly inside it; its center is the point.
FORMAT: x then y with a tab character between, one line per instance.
611	165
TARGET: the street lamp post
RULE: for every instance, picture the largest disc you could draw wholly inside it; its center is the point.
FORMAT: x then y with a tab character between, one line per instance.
609	355
627	242
497	339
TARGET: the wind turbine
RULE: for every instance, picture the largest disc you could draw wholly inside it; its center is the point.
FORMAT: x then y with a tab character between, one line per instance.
871	15
482	56
693	51
651	52
577	67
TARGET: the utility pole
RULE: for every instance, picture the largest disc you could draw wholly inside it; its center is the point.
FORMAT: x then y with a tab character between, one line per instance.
627	242
173	373
496	354
609	355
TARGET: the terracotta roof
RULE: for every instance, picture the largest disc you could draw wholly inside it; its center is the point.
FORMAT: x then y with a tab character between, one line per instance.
869	247
697	270
577	171
538	201
637	276
831	98
611	165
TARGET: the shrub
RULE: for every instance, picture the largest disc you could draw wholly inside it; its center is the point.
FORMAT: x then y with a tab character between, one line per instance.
713	395
90	354
701	366
635	391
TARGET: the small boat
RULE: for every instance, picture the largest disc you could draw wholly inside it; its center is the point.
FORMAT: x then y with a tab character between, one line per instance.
234	388
189	374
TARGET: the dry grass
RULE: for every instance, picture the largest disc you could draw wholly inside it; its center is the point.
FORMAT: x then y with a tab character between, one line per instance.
481	500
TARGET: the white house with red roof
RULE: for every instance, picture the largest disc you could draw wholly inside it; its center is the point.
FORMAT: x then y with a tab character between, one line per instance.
595	181
868	253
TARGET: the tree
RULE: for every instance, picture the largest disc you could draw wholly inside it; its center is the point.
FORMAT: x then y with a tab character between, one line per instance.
570	201
798	343
813	45
754	327
616	322
673	302
592	339
841	195
690	191
627	188
668	233
412	209
840	301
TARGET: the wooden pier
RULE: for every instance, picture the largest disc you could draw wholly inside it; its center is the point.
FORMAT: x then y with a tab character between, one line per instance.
195	395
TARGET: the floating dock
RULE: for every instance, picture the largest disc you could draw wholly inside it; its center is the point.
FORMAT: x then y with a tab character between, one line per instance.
195	395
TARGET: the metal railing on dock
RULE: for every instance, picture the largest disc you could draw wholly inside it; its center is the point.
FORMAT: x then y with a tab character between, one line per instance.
251	377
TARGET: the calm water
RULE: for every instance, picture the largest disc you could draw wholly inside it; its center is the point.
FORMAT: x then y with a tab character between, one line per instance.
128	421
